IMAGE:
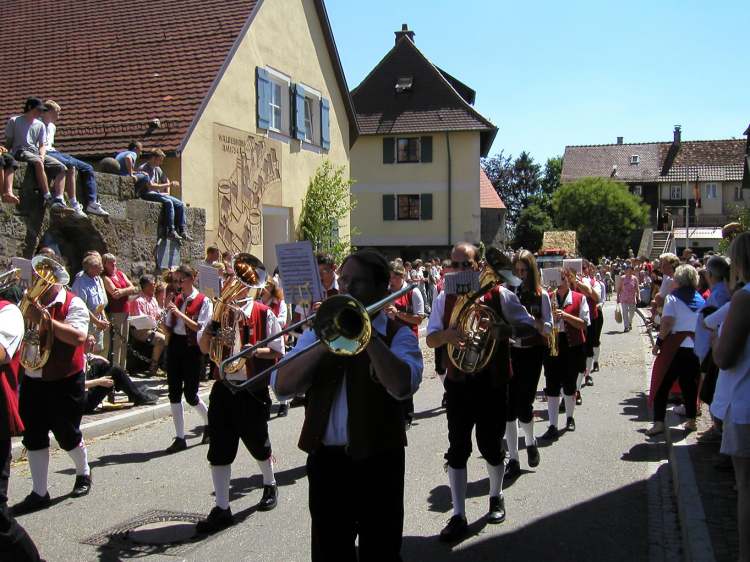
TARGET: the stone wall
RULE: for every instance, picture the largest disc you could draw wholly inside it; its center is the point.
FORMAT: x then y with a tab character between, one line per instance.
131	232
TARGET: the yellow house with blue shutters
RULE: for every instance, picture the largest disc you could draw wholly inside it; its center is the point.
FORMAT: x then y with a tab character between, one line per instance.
416	159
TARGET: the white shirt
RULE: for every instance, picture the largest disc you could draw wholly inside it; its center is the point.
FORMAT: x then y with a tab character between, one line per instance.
203	316
666	286
404	345
78	318
583	312
685	318
596	286
11	330
417	301
49	143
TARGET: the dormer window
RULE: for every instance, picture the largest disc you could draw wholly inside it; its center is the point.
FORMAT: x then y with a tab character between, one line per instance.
404	84
635	159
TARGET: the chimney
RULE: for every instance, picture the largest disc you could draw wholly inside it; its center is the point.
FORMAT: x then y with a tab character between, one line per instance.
404	31
619	140
677	134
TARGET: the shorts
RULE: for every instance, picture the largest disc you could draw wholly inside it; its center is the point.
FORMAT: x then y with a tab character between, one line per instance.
52	166
7	162
735	438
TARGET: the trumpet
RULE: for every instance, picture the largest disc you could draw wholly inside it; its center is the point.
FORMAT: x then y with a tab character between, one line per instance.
552	338
9	278
342	324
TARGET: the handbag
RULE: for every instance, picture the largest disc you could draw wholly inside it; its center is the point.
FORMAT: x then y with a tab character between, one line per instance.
618	314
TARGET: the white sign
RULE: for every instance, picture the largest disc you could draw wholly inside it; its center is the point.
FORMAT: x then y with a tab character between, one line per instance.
26	270
299	274
142	322
461	282
574	264
209	280
551	277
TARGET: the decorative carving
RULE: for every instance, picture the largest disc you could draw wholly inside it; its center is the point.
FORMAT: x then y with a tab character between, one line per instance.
246	166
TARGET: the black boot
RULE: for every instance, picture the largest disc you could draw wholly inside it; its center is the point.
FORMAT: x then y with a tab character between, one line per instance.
269	499
533	453
218	520
32	502
179	444
456	529
496	514
82	486
512	469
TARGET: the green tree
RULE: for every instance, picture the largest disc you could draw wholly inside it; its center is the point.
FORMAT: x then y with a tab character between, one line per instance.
549	182
326	205
532	224
603	213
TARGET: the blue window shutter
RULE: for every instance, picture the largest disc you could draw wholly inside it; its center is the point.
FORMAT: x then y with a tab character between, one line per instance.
425	206
389	150
389	207
298	112
325	133
426	149
263	97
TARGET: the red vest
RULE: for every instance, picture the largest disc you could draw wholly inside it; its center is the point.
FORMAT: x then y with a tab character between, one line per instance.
575	336
10	421
253	330
121	304
192	311
593	309
65	360
404	304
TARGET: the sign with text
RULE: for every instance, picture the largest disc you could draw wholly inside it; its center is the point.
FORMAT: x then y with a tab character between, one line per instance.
551	277
461	282
299	273
574	264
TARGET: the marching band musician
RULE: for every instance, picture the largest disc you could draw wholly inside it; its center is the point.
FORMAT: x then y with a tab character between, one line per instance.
15	543
241	415
190	311
52	398
527	356
561	372
353	430
479	399
329	281
591	289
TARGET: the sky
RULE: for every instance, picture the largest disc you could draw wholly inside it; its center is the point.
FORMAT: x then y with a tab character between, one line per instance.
564	72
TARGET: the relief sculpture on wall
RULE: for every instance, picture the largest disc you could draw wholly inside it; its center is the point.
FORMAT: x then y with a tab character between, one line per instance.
245	168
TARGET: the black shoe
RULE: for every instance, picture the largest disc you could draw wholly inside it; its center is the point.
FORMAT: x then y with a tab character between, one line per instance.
551	434
444	403
496	514
82	486
595	368
218	520
512	469
533	453
185	235
456	529
145	399
269	499
570	425
589	380
206	439
283	410
579	400
32	502
177	445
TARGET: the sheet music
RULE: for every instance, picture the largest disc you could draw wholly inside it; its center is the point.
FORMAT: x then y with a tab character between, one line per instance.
299	274
574	264
26	270
461	282
209	280
551	277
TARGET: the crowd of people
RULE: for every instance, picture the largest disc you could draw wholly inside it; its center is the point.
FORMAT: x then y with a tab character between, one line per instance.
359	408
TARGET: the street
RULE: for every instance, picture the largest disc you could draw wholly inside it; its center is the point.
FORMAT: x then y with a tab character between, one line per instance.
595	495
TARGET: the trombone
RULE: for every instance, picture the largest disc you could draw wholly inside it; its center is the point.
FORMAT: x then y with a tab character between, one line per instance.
342	324
9	278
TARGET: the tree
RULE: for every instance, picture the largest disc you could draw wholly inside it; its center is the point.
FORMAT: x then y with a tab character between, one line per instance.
516	181
603	213
326	204
532	224
550	182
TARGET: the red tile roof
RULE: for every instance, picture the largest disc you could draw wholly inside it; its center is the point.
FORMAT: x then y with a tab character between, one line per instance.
433	103
113	66
488	197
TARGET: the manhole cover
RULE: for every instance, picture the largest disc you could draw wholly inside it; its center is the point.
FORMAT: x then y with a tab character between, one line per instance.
157	531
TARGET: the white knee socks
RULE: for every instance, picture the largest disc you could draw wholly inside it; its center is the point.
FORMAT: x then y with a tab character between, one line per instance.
201	408
496	474
570	405
511	437
178	419
589	364
266	467
80	457
528	432
579	381
596	355
553	409
221	475
39	466
457	481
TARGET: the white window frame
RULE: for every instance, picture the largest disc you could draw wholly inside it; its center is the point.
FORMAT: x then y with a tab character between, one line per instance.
712	191
638	190
635	159
283	82
672	188
738	195
313	97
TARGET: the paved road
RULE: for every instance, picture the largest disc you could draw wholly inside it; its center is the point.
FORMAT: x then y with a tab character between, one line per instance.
592	497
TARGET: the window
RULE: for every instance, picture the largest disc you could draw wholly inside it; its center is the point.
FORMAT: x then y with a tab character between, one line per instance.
309	121
408	207
272	90
738	192
635	159
675	191
276	105
638	190
711	192
408	150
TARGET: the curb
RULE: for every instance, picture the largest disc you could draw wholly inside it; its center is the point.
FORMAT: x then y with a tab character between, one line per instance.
696	539
119	422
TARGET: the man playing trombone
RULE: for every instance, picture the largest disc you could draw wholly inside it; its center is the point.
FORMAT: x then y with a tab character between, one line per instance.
353	431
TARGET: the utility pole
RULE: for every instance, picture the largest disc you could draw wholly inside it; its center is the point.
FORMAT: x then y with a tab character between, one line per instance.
687	208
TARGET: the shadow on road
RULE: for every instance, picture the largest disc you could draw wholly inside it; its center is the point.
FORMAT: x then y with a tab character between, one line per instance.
241	486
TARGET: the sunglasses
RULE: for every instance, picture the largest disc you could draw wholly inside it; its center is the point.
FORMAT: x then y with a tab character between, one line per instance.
465	263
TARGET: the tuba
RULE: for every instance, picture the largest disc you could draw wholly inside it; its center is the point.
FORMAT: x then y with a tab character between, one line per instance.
38	337
249	273
475	321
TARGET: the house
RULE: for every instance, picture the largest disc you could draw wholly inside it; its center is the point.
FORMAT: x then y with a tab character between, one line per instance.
701	179
246	97
416	160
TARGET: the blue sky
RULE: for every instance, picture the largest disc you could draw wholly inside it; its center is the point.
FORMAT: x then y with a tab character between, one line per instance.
554	73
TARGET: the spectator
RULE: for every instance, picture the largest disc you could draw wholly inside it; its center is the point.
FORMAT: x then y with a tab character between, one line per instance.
127	159
627	295
101	376
147	304
90	288
50	115
273	297
152	184
212	255
25	136
118	288
160	293
8	167
704	287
